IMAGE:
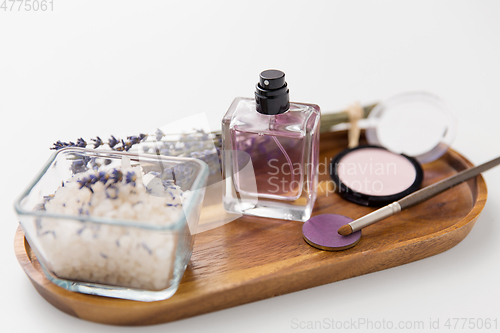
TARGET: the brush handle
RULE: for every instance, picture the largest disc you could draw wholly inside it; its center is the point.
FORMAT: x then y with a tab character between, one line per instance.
421	195
375	216
445	184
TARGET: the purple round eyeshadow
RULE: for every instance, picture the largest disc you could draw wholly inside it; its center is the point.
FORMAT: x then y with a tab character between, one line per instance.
321	231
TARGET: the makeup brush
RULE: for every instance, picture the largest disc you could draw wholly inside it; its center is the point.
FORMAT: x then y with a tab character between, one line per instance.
416	198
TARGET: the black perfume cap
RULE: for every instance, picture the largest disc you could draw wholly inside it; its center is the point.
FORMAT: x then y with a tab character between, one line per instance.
271	93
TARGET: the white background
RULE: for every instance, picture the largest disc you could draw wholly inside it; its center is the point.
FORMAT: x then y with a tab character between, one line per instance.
123	67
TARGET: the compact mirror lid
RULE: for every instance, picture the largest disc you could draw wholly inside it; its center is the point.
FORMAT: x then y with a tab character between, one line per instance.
417	124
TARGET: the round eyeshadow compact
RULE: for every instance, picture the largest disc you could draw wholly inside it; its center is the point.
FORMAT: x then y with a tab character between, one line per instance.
403	132
375	176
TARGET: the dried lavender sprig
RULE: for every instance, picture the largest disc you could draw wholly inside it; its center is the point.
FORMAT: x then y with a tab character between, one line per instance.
113	143
114	176
198	144
125	145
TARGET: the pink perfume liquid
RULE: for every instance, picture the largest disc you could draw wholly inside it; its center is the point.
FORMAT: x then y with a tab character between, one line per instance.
284	152
277	162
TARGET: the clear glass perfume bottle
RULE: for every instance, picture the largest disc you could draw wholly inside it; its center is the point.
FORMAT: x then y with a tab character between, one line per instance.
282	141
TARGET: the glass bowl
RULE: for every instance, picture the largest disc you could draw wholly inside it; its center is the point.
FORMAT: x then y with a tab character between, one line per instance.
95	251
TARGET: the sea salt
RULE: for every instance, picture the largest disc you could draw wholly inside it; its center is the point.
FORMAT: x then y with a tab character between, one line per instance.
126	256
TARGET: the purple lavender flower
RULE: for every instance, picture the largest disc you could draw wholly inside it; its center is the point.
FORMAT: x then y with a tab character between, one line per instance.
133	139
159	134
116	175
92	179
102	177
82	182
112	142
87	182
97	142
60	144
127	145
81	143
131	178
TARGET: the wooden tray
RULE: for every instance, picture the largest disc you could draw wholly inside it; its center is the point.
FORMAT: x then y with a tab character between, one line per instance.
254	258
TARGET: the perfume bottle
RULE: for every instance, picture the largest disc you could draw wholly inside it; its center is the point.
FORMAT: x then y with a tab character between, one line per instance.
281	139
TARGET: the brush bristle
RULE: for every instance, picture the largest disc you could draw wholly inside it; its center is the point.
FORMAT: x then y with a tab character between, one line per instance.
345	230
